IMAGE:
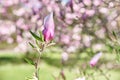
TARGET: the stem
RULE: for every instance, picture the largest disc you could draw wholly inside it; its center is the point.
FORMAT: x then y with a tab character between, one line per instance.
107	78
37	68
37	62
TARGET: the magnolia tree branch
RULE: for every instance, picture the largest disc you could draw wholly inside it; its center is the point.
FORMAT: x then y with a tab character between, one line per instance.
43	40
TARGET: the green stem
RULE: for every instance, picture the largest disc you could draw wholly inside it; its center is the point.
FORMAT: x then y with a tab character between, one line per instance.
37	68
37	62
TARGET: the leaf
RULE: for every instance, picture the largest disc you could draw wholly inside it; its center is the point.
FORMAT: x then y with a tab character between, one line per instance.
31	45
37	43
41	36
114	34
51	44
35	36
29	61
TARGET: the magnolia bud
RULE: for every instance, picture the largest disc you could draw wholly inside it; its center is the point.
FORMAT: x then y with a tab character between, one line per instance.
48	31
95	59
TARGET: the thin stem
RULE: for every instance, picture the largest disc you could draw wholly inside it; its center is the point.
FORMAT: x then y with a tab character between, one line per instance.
37	62
107	78
37	68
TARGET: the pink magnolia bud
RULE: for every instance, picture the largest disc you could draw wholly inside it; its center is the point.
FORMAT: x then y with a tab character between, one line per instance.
95	59
48	31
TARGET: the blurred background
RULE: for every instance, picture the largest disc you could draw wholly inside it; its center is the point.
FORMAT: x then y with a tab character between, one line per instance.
82	29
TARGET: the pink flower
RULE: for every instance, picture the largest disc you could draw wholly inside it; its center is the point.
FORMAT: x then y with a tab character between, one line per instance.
48	31
95	59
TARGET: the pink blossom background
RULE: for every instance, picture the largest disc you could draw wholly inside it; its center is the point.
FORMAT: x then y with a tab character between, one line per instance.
84	24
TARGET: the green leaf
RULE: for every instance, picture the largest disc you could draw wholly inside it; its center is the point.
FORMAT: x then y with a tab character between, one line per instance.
37	43
114	34
41	36
31	45
29	61
35	36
